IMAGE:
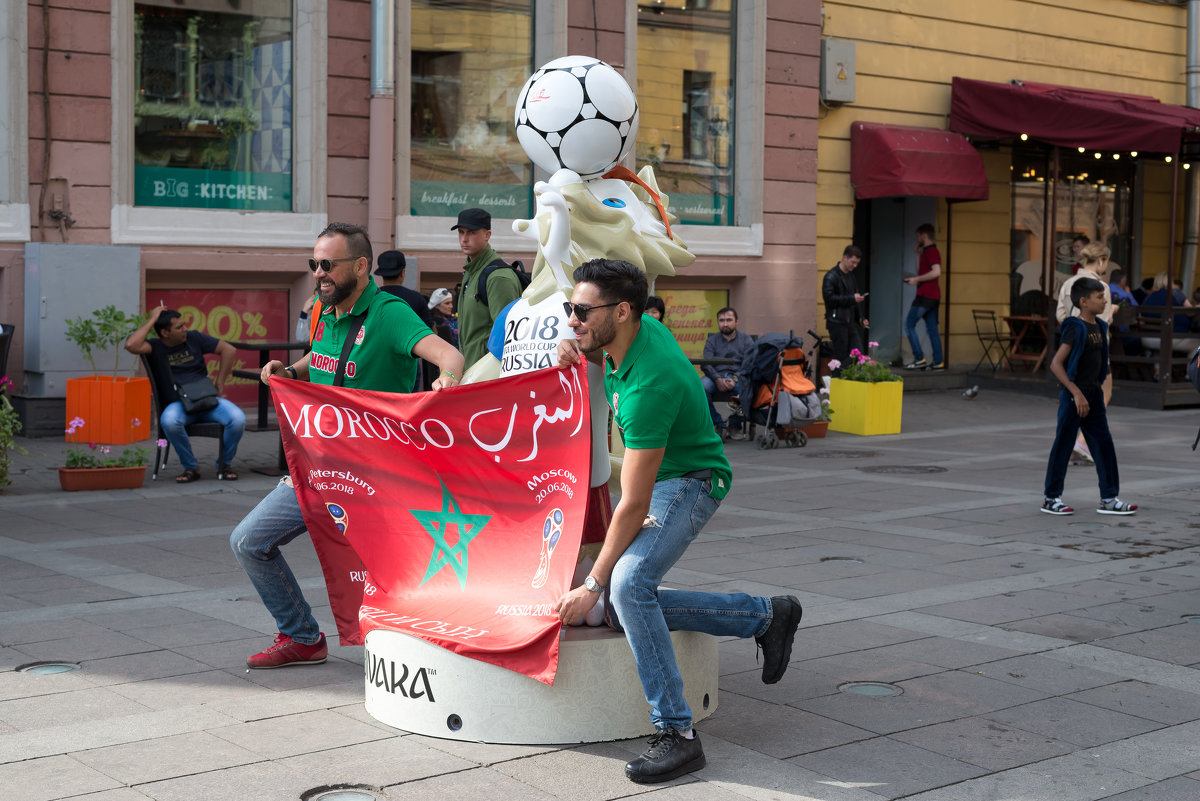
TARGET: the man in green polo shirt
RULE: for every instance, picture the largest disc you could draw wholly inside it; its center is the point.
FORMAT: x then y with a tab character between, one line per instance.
475	318
386	338
673	477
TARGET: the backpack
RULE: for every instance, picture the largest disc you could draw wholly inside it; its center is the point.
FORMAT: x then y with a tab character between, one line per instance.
499	264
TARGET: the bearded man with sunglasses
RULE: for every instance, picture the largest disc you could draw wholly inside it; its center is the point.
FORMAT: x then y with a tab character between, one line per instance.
673	477
379	339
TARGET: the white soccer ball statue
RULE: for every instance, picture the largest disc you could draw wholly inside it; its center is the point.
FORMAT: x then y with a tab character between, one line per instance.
578	113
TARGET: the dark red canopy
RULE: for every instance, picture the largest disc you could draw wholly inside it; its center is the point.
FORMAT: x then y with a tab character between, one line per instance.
891	160
1069	117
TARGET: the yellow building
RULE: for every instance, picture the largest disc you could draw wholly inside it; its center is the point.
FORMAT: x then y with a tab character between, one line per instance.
905	59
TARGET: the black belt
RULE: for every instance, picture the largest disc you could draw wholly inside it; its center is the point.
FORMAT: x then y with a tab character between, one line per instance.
699	475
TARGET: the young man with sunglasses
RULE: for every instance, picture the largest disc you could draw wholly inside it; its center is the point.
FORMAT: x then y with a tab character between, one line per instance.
673	478
386	340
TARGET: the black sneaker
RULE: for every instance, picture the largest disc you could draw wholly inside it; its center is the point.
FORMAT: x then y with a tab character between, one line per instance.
919	364
669	756
776	641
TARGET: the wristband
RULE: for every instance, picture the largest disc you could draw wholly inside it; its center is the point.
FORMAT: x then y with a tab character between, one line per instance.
452	375
292	370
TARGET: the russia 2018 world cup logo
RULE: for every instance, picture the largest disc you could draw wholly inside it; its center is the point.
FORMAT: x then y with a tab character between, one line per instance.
552	531
341	518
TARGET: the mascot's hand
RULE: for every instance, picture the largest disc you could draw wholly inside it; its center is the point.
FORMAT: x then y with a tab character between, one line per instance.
486	369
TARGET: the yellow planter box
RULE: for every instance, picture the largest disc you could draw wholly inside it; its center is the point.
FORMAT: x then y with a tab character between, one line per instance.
862	408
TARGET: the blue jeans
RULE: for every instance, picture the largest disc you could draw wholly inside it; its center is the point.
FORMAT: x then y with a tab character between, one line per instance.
274	522
174	421
930	316
710	387
1095	434
679	508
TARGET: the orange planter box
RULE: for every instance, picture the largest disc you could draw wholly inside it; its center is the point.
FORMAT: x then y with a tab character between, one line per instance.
115	411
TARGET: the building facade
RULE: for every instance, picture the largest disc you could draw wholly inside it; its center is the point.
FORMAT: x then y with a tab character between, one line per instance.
907	57
205	143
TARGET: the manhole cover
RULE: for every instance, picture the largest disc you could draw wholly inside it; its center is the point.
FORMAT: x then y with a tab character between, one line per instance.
47	668
873	688
1191	618
902	468
342	792
822	454
851	559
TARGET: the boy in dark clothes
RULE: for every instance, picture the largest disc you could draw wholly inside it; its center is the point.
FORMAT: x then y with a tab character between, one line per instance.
1080	365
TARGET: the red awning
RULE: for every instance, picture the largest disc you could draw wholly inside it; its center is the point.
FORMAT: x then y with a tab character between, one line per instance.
891	160
1069	117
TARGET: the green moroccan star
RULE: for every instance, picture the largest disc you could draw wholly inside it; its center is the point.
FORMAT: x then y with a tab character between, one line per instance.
438	526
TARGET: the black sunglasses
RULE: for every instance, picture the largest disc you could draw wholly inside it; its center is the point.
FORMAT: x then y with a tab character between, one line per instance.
581	310
327	264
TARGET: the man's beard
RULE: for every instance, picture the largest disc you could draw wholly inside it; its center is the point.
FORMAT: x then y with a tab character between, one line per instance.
602	336
337	293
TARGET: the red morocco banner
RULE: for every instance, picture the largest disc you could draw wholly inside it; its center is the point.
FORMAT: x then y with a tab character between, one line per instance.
452	516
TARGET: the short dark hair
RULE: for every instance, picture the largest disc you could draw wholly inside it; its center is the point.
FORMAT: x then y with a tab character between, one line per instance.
655	302
1116	275
618	282
164	321
927	229
1081	238
356	238
852	250
727	309
1084	287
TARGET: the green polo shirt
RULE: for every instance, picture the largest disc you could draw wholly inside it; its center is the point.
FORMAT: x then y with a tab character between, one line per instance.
474	318
658	401
382	360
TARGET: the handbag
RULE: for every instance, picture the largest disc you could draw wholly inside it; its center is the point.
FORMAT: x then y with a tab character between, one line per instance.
197	395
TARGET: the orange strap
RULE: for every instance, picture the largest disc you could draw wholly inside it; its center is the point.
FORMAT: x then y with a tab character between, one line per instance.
313	316
626	174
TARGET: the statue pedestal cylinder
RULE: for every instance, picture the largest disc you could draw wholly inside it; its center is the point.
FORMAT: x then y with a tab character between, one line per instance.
422	688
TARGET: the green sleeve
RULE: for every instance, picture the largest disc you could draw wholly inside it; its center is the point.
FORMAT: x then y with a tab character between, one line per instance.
503	288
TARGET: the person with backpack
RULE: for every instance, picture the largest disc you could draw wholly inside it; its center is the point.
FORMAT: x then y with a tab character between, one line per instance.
489	284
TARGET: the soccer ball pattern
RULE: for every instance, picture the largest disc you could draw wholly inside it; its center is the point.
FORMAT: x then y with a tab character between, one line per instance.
579	113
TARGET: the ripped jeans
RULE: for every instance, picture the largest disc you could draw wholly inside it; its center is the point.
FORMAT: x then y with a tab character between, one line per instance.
679	508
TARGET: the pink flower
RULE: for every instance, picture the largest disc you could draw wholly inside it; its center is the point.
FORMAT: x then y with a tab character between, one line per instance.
863	359
105	449
162	443
834	364
856	352
872	344
76	422
134	423
93	445
823	391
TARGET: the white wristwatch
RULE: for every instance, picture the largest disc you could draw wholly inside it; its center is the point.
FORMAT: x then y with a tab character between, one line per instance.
591	585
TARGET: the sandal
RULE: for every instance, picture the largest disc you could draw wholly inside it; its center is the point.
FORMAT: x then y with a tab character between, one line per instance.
188	476
226	474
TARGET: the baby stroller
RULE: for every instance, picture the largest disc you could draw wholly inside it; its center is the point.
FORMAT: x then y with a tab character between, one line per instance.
777	376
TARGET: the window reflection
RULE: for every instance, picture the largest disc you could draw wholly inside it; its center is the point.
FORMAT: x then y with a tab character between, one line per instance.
213	104
685	93
470	59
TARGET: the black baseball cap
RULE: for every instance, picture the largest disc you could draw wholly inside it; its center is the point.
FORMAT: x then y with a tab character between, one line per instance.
391	263
473	220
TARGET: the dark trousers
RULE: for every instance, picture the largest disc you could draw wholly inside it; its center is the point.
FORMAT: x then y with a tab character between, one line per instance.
844	338
1095	434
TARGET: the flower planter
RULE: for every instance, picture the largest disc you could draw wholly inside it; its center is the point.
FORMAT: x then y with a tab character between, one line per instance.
115	411
817	429
863	408
75	479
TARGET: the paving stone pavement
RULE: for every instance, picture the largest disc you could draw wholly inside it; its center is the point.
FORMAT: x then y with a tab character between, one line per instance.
1040	658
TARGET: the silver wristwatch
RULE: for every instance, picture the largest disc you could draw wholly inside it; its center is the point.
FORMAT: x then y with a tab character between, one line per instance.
591	585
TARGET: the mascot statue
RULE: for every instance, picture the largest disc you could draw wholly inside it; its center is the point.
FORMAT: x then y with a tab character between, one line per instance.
577	118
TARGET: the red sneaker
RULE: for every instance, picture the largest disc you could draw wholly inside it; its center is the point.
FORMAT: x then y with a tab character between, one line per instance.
286	652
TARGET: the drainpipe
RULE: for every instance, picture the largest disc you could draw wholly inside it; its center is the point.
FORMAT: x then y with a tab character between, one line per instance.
382	131
1191	222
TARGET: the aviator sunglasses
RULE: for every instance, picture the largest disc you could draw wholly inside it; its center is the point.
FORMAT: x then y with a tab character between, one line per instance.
327	264
581	310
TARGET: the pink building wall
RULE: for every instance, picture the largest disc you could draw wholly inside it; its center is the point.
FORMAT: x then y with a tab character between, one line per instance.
776	291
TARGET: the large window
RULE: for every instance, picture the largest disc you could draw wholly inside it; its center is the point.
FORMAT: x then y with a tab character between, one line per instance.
1093	198
14	104
685	93
469	62
213	104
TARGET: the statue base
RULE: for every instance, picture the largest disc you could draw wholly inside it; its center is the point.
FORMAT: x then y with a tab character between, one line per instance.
422	688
